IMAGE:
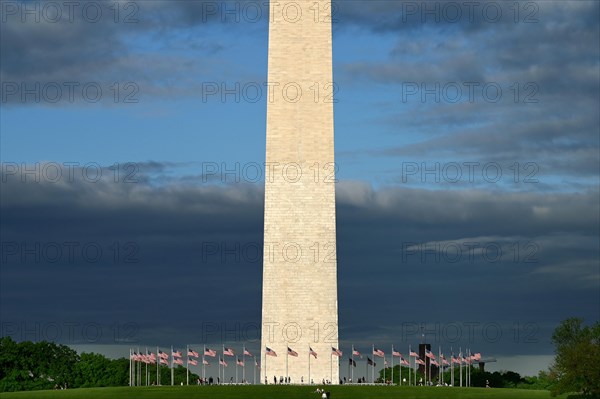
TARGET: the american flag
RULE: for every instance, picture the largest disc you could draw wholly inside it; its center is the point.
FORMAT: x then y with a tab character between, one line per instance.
455	360
429	354
178	361
419	361
192	353
477	356
370	362
356	353
312	352
204	361
164	361
163	355
246	353
176	354
445	362
239	363
396	353
152	356
336	352
435	363
228	352
270	352
352	362
210	352
192	362
222	362
413	354
404	362
292	352
378	352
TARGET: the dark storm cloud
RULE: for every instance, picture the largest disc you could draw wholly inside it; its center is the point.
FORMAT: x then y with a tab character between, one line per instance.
551	119
190	254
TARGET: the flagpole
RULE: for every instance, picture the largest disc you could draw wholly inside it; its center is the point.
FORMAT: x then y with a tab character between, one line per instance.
352	368
393	365
409	358
331	366
452	367
441	362
147	367
373	366
265	366
187	365
139	370
309	365
460	365
254	374
244	362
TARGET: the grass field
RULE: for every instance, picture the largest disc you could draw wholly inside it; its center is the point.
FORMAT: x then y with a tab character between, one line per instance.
283	392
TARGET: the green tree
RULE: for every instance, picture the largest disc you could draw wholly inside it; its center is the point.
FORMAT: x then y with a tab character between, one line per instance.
577	363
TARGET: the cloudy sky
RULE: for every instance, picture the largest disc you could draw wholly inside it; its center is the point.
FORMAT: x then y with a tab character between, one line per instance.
467	149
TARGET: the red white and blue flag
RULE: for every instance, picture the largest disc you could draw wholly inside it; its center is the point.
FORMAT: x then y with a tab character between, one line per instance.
228	352
312	352
292	352
192	353
336	352
270	352
378	352
210	352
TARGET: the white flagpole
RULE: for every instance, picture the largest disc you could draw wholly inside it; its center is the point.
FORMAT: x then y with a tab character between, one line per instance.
409	366
147	383
352	367
203	364
460	365
393	365
441	362
287	355
130	359
373	366
236	370
244	366
157	367
254	369
309	364
187	365
172	371
331	366
139	369
265	366
400	368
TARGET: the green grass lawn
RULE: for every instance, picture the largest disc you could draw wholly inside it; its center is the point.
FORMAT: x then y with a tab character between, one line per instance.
283	392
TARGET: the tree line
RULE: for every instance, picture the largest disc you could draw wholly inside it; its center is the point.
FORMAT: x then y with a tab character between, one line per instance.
26	366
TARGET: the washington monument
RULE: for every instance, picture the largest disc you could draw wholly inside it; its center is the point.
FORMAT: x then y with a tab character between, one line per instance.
299	301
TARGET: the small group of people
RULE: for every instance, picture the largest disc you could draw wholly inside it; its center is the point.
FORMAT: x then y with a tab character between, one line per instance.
282	380
324	394
205	381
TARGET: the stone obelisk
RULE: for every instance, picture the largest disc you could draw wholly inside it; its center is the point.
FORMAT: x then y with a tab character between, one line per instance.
299	307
